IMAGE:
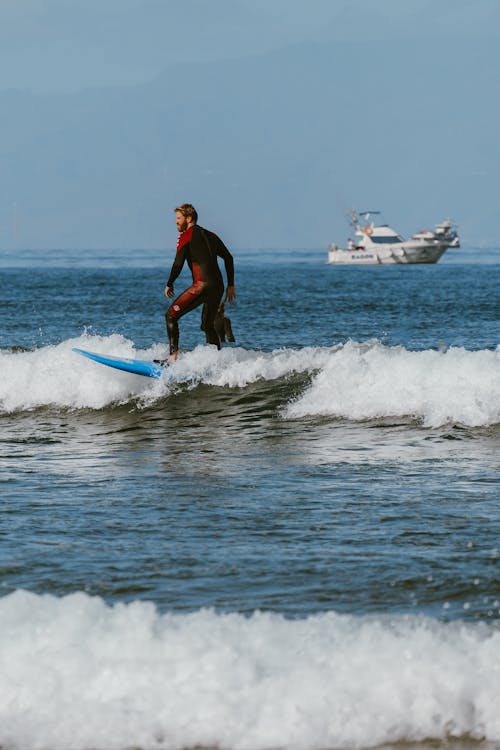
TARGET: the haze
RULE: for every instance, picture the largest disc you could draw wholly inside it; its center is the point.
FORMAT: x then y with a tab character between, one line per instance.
274	118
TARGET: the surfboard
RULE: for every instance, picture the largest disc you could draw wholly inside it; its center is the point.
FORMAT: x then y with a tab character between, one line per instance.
136	366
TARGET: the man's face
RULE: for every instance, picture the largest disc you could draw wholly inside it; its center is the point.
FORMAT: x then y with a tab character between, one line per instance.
181	221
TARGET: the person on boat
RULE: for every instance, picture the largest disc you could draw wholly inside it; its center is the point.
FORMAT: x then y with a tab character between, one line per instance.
200	248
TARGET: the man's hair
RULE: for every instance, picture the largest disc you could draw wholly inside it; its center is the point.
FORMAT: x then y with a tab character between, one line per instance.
188	210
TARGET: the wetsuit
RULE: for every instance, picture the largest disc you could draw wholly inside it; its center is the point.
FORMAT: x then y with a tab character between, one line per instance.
200	249
222	323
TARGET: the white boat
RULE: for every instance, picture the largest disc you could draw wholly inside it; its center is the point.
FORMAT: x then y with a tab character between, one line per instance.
377	243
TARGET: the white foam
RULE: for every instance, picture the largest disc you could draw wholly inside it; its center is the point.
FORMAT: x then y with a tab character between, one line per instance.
353	381
76	673
56	376
369	381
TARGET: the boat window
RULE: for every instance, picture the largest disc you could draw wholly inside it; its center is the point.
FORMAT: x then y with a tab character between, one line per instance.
386	240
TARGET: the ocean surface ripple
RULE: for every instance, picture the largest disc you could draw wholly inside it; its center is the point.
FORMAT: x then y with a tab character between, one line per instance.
292	543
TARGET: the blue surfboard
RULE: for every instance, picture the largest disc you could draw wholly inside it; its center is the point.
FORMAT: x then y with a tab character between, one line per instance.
136	366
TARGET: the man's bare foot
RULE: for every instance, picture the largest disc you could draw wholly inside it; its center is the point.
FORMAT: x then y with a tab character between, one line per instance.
164	362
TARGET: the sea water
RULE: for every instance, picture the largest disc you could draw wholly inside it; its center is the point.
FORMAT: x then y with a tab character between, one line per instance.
293	543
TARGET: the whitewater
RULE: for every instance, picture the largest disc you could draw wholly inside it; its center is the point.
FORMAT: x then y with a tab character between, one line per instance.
354	381
85	674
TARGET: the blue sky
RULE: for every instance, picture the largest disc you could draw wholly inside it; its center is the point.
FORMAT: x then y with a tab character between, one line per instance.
64	45
303	108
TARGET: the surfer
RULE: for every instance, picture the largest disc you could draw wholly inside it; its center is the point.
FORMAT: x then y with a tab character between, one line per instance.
200	248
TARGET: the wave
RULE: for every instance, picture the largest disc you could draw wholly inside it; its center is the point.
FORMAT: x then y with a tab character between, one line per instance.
77	673
372	381
354	381
56	376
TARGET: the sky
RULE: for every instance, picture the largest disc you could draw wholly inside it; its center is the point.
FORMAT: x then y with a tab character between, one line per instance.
275	116
66	45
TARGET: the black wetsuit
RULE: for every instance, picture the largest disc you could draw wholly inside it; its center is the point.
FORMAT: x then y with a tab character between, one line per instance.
222	323
200	249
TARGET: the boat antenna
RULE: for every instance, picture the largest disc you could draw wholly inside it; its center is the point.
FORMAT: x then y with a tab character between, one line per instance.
353	217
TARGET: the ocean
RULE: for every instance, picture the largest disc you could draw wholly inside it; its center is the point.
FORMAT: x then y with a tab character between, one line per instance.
292	543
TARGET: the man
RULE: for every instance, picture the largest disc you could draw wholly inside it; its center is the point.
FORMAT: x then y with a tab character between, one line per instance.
200	248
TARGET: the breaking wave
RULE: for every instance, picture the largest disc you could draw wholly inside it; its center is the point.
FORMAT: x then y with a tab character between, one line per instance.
77	673
353	381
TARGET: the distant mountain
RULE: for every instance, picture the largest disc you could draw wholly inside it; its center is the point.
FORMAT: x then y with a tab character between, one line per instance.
272	149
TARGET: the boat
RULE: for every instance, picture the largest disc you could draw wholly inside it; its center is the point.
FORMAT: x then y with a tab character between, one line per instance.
377	243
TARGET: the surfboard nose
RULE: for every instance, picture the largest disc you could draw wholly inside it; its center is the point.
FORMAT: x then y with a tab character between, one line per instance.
143	367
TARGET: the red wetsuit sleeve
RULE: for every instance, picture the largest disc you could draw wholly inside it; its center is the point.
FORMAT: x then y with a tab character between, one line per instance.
180	254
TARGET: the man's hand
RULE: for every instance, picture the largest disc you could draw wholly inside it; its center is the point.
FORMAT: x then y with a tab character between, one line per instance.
169	291
230	294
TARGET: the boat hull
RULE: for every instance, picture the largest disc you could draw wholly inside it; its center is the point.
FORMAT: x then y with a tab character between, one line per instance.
377	243
403	254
